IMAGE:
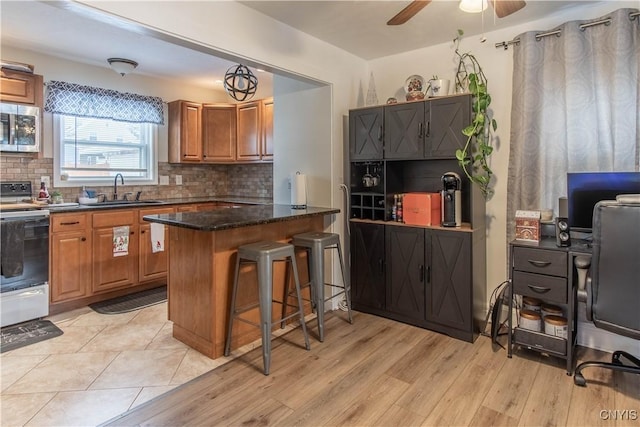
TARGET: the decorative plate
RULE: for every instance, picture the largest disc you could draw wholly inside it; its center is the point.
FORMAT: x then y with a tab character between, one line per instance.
414	83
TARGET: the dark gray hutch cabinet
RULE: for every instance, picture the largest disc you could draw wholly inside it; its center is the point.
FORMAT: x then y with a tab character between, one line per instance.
431	277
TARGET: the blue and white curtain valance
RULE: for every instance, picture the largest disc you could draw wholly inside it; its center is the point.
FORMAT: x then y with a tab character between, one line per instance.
85	101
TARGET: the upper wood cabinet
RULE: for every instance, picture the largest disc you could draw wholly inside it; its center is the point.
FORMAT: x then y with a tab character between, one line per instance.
23	88
218	133
221	133
185	132
267	129
249	137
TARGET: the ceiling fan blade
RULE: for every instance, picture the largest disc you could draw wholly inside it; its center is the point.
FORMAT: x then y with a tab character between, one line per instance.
506	7
408	12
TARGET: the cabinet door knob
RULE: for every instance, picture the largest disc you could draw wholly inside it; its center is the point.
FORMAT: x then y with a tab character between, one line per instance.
428	129
421	273
420	130
380	133
142	232
84	239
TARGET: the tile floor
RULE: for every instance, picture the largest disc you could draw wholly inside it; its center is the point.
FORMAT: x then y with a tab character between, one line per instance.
102	366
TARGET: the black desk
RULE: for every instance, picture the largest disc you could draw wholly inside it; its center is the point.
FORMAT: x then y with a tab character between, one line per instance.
546	272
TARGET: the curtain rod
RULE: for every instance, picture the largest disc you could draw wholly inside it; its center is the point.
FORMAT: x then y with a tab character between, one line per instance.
505	44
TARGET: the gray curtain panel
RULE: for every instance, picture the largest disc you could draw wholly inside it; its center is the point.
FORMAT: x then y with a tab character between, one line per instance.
575	107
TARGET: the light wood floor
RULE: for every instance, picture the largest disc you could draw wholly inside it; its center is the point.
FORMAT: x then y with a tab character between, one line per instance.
378	372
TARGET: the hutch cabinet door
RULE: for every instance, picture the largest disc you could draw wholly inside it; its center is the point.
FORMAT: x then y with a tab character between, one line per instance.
446	120
406	271
404	130
367	265
366	133
449	292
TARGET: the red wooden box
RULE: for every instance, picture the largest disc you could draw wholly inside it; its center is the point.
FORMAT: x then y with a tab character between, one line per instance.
421	208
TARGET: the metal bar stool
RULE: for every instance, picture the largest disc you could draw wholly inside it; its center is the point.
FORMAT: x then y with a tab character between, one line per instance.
264	254
316	243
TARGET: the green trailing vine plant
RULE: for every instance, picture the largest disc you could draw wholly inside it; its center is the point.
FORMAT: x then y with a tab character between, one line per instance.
473	158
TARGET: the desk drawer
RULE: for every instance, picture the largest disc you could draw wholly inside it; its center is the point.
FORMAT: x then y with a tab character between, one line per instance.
533	260
548	288
539	341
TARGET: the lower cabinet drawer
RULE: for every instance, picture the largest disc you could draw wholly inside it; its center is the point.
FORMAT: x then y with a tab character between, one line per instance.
548	288
540	341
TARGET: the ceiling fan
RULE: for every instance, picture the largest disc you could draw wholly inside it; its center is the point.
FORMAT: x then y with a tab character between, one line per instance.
501	7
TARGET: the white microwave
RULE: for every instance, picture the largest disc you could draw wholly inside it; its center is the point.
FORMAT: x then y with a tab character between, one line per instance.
20	126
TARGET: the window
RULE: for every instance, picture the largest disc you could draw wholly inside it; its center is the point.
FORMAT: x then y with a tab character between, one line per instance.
91	151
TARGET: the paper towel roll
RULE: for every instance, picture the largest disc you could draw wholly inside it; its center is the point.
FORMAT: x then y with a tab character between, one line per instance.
298	191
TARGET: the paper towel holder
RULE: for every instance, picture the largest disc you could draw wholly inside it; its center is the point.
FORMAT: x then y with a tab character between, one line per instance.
298	194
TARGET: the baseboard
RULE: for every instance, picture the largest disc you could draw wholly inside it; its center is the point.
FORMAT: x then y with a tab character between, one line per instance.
599	339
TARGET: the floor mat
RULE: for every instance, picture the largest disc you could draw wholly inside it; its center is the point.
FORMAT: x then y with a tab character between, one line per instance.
27	333
131	302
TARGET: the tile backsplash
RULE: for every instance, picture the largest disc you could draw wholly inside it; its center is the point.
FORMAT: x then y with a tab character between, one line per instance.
247	180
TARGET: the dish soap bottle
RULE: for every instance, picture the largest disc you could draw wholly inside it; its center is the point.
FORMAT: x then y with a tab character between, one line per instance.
43	194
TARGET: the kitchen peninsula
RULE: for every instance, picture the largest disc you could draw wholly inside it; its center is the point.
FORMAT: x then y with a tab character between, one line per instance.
202	254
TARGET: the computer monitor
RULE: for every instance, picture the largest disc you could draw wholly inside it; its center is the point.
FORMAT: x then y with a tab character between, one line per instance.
585	189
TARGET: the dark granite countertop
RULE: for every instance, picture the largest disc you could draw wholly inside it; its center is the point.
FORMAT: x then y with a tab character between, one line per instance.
158	203
243	216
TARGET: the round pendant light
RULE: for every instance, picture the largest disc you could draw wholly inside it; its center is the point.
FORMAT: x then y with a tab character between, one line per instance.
240	83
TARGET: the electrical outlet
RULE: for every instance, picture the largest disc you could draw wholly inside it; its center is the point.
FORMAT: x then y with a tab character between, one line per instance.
46	180
164	180
178	179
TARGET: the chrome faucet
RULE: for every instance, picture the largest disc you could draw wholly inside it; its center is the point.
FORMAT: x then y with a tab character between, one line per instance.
115	185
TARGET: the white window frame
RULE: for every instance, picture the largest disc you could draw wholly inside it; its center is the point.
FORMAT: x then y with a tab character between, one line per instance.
63	181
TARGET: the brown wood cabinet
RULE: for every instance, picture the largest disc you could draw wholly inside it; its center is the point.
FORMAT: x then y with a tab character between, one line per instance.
198	207
23	88
82	266
267	130
249	141
221	133
255	131
70	266
110	271
218	133
185	132
152	265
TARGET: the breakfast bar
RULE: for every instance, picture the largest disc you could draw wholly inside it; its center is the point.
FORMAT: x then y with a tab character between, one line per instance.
202	253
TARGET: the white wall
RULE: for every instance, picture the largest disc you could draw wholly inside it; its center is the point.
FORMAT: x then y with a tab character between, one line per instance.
301	143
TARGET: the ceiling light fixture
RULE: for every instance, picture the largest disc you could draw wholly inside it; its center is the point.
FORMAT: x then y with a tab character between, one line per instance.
122	66
240	83
473	6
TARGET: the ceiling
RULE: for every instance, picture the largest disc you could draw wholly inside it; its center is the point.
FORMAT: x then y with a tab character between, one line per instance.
355	26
